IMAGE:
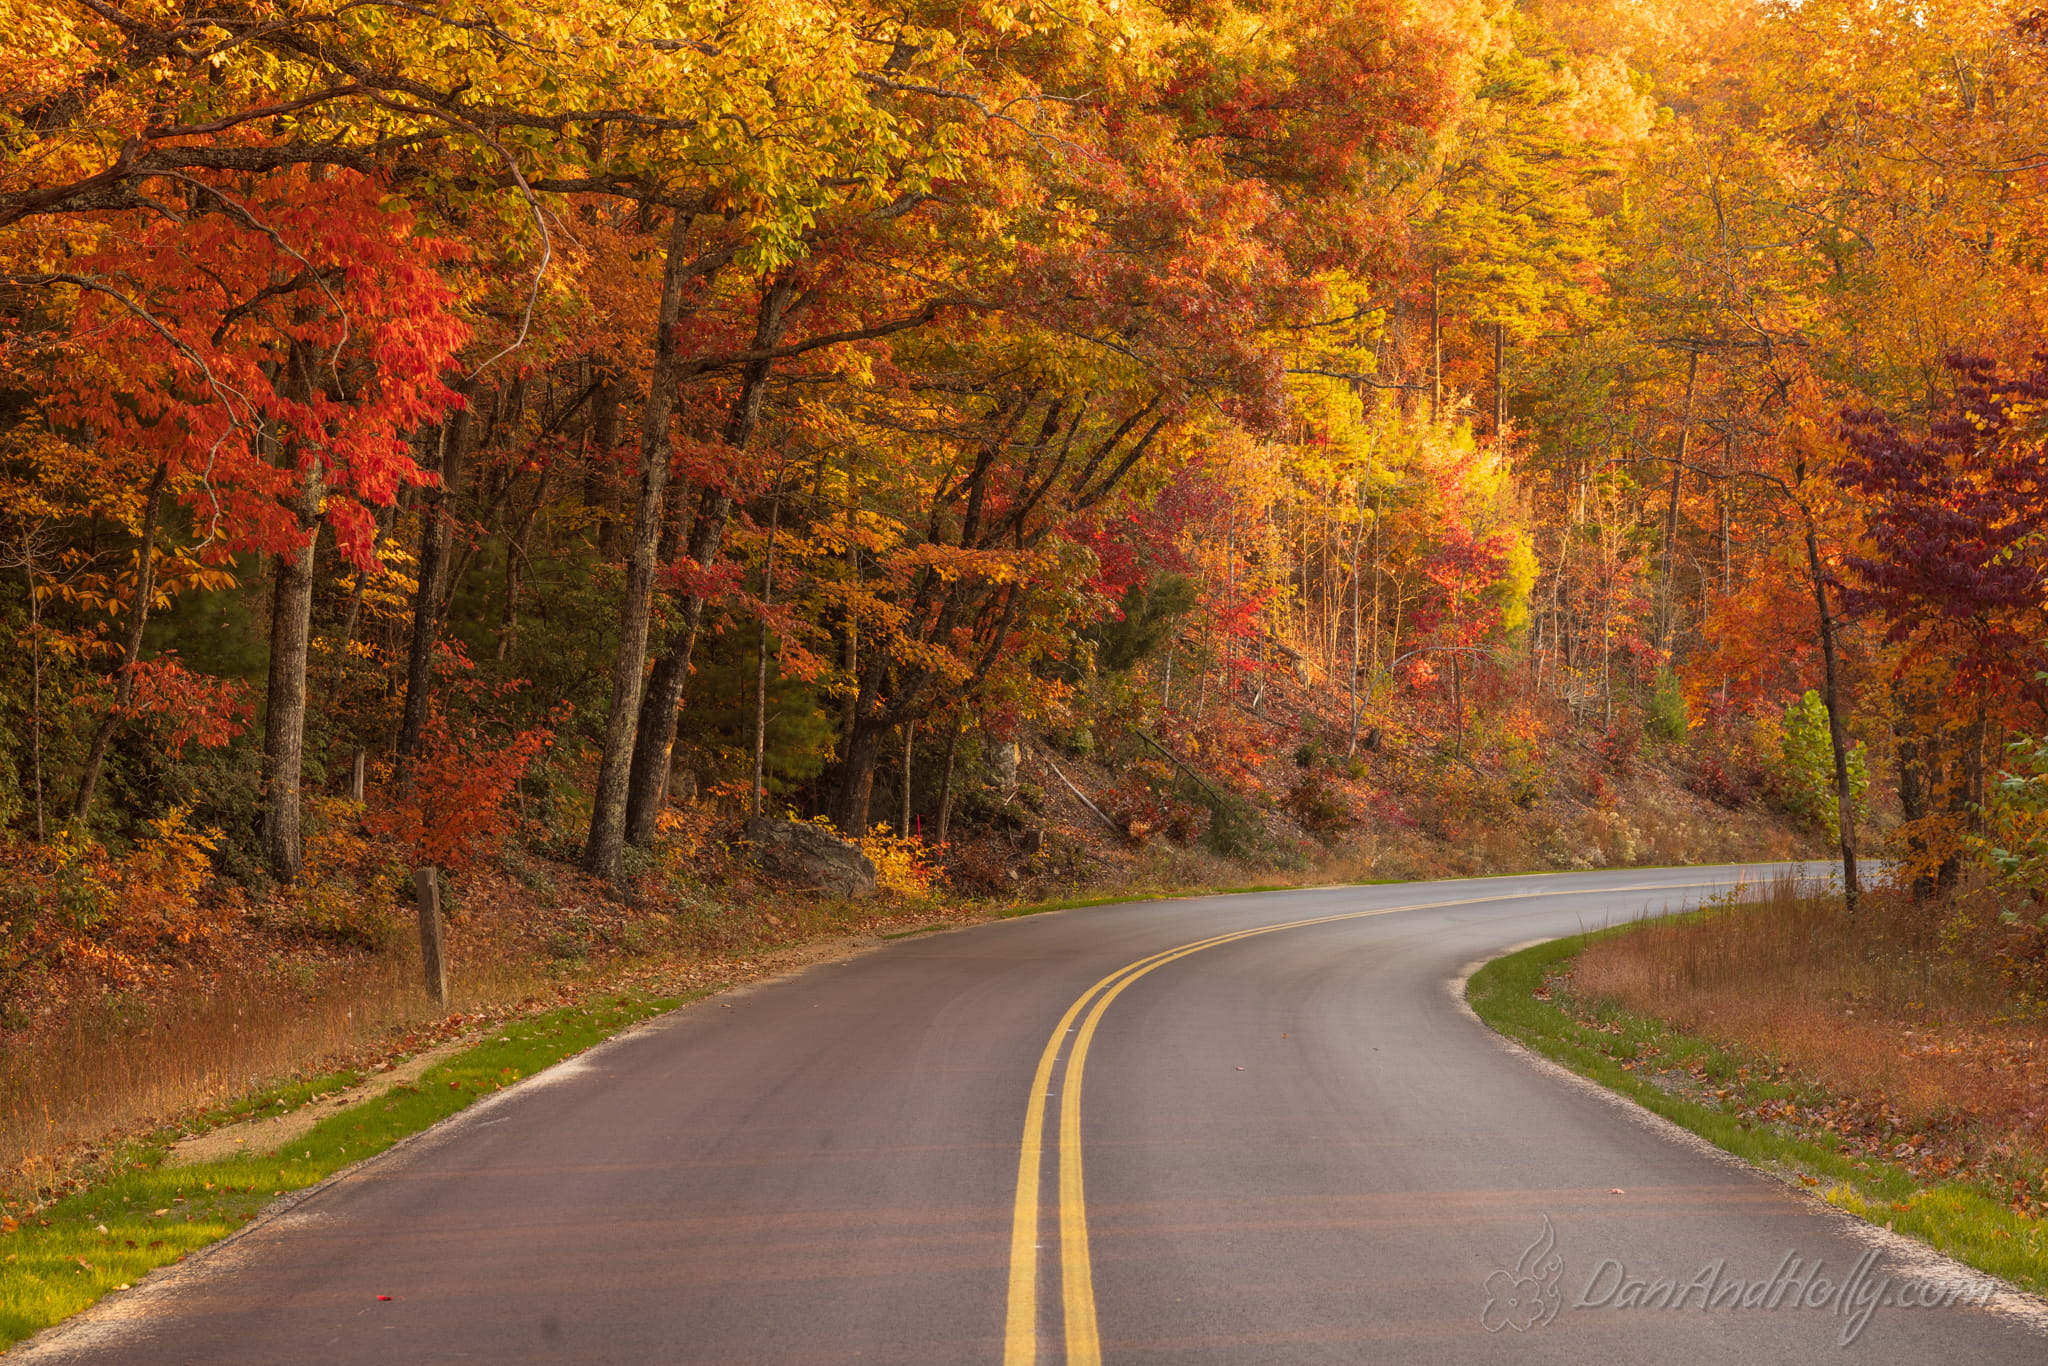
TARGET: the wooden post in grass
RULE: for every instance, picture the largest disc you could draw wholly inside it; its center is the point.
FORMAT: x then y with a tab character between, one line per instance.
426	884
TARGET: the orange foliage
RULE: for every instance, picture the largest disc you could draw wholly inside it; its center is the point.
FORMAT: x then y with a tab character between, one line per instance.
452	810
71	903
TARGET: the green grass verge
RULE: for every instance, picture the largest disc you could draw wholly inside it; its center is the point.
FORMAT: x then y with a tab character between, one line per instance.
1965	1220
77	1249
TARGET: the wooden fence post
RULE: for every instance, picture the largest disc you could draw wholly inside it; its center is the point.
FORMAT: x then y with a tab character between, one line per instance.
426	884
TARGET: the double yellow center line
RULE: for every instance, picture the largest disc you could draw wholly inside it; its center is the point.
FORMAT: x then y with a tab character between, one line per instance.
1077	1279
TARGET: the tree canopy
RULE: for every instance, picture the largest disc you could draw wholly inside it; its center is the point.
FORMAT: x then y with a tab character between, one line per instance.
602	409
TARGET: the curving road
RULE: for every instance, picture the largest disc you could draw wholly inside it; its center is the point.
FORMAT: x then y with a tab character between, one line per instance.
1238	1129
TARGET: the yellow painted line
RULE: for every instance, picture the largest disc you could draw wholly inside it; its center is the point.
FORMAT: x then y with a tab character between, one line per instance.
1020	1333
1077	1279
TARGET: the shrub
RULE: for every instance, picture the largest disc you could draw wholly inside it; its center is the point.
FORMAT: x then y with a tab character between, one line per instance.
1144	803
1806	765
1317	805
1721	783
2015	835
350	886
69	900
1235	830
904	867
1666	718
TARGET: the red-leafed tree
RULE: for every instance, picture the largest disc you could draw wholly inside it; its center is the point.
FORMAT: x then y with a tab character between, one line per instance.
266	354
1957	571
1958	524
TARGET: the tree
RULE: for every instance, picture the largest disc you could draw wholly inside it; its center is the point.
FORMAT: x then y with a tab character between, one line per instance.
268	352
1956	569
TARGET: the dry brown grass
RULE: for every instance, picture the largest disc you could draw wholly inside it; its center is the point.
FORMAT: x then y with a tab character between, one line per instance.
1897	1013
127	1059
83	1066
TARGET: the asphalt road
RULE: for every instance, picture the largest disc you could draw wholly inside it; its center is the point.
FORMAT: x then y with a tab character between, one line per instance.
1087	1135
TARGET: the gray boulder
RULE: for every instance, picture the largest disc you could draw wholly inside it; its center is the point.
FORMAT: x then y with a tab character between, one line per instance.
810	856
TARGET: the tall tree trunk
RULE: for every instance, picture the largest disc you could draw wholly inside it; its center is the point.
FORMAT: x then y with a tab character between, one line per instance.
946	779
604	851
655	736
1916	753
284	713
1968	771
1357	552
654	743
600	486
1500	381
1845	805
1607	674
354	614
759	788
1727	572
515	556
857	781
131	646
1458	702
436	511
1667	595
1436	344
909	736
1372	640
1396	360
30	545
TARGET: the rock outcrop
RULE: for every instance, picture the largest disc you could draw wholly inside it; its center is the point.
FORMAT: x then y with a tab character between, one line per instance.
810	856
